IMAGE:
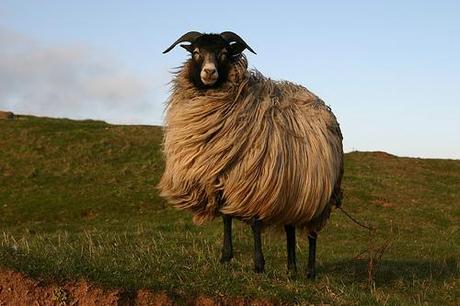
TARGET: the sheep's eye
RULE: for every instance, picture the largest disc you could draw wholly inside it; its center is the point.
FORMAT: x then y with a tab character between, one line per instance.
223	55
196	54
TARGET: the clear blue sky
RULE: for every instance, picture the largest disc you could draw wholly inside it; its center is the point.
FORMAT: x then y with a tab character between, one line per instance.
390	70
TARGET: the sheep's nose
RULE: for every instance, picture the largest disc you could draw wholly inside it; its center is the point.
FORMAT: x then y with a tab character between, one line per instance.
210	71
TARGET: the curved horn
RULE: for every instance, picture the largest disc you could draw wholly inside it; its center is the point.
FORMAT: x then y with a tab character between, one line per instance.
190	37
233	37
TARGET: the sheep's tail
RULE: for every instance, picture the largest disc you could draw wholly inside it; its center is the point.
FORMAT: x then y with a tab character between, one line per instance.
337	193
337	196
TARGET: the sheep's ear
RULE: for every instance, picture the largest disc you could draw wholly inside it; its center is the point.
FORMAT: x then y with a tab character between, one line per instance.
189	48
236	48
237	44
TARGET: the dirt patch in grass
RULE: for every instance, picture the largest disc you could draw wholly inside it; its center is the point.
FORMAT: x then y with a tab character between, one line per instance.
18	289
383	155
6	115
383	202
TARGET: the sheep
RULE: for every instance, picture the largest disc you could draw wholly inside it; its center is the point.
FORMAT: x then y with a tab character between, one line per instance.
240	145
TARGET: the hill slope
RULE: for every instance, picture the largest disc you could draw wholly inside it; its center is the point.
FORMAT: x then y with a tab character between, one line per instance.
77	200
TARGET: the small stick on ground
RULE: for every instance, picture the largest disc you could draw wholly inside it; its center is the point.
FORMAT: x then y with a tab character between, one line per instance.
374	254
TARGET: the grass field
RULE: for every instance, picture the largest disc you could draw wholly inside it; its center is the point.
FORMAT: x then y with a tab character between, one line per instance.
77	200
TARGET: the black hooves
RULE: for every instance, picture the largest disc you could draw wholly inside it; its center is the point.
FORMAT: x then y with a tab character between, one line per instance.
259	269
311	274
226	258
259	265
292	269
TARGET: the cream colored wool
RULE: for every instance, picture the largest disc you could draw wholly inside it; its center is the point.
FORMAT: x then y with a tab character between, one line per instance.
272	150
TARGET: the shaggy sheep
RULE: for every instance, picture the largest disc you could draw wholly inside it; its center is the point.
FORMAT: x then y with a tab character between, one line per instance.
243	146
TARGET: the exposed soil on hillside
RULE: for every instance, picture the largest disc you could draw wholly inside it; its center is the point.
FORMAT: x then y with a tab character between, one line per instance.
6	115
19	289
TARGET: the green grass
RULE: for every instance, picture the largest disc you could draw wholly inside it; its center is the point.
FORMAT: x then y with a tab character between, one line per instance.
78	200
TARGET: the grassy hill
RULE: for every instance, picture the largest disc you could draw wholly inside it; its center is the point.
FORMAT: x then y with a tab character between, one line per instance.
77	200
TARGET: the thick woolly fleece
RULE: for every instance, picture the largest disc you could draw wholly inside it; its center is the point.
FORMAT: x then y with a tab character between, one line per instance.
251	148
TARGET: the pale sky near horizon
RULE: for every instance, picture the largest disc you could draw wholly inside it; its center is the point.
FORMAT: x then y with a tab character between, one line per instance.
390	70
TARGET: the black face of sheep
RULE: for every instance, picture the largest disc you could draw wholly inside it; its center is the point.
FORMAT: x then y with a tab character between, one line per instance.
305	196
211	55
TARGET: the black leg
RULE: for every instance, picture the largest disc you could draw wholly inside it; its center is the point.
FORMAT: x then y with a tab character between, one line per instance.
259	261
311	271
227	249
290	238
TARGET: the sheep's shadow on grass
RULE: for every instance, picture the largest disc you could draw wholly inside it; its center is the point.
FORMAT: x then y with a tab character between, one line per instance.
390	271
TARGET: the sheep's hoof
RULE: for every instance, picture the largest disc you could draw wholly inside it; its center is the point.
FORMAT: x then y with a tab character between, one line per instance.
292	273
259	269
311	274
259	264
292	269
226	258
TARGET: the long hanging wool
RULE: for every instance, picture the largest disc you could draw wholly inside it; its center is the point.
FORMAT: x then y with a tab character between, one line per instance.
271	150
